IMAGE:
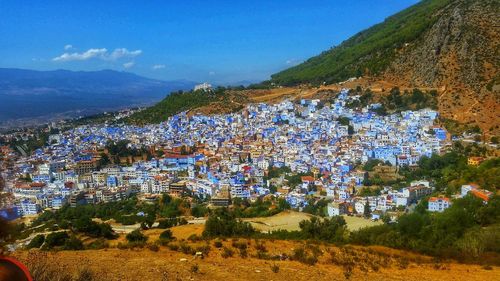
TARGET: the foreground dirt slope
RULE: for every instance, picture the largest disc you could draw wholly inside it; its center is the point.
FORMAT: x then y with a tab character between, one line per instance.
143	264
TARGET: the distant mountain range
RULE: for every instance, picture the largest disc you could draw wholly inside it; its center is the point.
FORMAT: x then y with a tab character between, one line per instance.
35	94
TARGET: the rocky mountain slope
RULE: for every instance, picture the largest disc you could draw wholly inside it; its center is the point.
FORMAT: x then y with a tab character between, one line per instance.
460	54
452	45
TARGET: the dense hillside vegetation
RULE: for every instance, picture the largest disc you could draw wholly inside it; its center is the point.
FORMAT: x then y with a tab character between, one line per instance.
171	105
218	100
368	52
450	45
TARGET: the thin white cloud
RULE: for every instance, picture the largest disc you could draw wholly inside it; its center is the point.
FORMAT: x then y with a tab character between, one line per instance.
68	47
158	66
90	53
123	53
102	54
211	73
129	64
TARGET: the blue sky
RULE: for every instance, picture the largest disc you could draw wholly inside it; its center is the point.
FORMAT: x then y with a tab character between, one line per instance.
215	41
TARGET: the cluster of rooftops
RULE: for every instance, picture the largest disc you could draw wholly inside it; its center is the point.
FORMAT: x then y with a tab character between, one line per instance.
229	155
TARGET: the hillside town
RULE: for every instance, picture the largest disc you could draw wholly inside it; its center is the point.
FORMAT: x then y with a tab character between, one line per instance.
294	150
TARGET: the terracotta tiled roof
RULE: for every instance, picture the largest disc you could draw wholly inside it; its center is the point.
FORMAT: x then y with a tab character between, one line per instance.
178	156
481	194
37	184
434	199
307	178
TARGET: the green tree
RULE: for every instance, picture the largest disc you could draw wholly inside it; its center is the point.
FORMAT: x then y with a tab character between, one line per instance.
166	235
73	244
36	242
199	210
223	223
104	160
55	239
283	204
371	163
136	236
367	211
331	230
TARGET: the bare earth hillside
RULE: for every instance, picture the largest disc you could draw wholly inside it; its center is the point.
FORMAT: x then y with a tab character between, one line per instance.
460	54
451	45
143	264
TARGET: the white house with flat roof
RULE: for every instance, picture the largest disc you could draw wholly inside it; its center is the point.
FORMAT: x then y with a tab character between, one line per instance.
204	86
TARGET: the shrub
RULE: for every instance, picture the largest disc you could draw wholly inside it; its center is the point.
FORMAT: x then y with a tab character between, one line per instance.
138	244
73	243
167	223
226	252
275	268
299	254
331	230
263	256
136	236
199	211
166	235
186	249
239	245
217	244
85	274
243	253
153	247
55	239
204	249
316	251
487	267
195	268
100	243
194	238
128	220
348	272
223	223
36	242
121	246
260	246
404	263
94	229
302	256
173	247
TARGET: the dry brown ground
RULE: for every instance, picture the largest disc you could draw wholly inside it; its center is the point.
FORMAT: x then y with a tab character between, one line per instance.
288	220
355	223
143	264
169	263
